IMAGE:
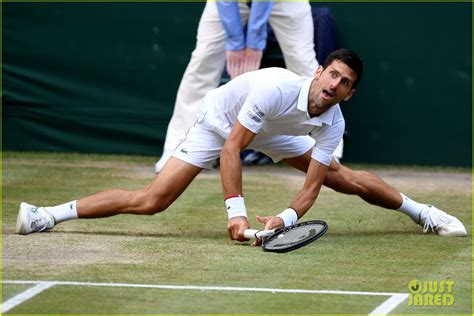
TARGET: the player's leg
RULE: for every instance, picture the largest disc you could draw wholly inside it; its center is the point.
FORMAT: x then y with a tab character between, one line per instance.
157	196
375	190
367	186
167	186
197	152
300	162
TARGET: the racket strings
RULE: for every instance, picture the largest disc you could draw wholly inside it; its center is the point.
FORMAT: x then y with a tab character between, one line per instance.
295	236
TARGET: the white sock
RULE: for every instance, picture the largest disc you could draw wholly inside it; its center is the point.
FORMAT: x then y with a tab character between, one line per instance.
63	212
412	209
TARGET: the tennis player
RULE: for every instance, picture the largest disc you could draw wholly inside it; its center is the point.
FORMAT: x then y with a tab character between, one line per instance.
290	118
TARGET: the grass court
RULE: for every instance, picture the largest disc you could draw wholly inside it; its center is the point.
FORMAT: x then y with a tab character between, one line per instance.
182	262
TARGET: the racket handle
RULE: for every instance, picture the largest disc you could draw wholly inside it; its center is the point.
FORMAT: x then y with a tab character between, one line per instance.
253	233
250	233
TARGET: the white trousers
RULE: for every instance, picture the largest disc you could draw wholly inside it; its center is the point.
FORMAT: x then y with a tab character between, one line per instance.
292	24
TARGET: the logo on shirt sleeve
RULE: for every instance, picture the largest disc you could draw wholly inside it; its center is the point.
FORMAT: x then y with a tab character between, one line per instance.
255	114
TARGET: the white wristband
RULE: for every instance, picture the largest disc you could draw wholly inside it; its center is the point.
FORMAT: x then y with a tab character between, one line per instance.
289	217
235	207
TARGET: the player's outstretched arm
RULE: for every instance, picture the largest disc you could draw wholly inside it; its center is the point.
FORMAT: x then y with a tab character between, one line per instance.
312	185
231	177
302	202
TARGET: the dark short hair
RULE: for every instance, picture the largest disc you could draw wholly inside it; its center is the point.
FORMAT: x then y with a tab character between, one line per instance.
349	58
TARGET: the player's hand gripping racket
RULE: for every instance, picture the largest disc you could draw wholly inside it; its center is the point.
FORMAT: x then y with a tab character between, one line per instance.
289	238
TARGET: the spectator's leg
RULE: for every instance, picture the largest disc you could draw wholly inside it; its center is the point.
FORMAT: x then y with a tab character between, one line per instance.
292	23
202	74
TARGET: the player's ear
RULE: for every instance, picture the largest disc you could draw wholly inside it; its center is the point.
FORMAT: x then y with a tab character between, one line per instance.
318	71
349	94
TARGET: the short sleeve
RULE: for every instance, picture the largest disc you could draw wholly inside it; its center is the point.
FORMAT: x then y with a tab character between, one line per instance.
260	105
327	138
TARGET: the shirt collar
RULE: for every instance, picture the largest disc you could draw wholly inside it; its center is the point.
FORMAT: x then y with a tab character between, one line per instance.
302	105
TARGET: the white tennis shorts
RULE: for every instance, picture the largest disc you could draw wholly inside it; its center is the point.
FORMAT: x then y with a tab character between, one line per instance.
203	145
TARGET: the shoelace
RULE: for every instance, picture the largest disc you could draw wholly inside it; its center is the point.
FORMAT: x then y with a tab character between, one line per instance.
433	220
39	224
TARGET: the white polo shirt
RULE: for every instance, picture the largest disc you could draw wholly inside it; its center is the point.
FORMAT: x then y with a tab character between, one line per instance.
274	101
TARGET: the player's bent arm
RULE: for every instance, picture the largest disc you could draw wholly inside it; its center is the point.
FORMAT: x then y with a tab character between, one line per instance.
310	191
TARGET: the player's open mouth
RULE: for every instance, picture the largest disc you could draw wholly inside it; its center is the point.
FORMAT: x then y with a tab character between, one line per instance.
327	94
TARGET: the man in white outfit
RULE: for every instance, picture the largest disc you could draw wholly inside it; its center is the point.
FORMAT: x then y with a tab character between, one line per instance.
221	38
290	118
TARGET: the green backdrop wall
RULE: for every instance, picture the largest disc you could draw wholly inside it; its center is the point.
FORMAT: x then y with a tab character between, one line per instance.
102	77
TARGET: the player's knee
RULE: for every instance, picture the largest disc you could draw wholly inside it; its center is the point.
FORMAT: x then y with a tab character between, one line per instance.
359	182
345	181
342	185
153	207
147	204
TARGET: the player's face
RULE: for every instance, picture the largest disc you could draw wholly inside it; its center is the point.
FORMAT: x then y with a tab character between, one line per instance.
331	86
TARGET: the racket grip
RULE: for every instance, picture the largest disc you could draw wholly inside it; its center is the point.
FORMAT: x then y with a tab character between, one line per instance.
250	233
259	234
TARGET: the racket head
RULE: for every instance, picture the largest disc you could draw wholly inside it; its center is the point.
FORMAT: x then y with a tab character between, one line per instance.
295	236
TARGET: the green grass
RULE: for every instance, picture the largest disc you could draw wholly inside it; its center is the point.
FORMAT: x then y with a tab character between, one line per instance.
365	249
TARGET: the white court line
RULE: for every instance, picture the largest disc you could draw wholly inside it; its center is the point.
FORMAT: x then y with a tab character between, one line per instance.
26	295
389	305
204	288
379	309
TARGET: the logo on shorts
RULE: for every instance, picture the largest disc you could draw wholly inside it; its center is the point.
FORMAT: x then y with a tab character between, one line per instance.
256	114
184	151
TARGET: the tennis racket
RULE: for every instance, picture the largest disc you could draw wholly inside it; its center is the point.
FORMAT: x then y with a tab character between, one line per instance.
289	238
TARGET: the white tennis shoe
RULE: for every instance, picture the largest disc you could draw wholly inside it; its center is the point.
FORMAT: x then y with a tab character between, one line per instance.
441	223
32	219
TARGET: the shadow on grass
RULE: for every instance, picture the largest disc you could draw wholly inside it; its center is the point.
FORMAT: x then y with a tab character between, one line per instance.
180	234
375	233
184	234
223	234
